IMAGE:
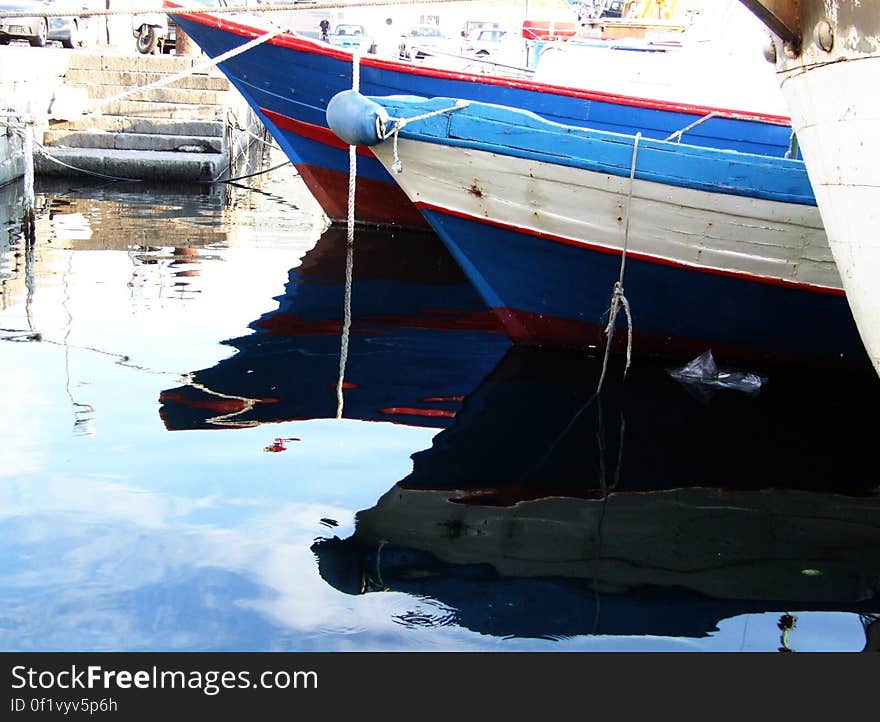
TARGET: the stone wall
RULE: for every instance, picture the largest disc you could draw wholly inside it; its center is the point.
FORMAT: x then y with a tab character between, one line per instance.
29	78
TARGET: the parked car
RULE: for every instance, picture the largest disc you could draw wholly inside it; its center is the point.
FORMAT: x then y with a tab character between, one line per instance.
150	28
33	29
422	40
486	42
78	30
72	32
352	37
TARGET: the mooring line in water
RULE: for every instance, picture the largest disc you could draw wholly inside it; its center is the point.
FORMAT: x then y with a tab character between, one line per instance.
44	151
255	174
618	299
349	246
232	123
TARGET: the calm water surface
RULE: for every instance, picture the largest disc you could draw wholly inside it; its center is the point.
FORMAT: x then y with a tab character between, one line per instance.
177	473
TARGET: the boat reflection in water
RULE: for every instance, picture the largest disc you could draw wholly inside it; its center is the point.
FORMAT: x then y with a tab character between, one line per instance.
420	338
545	512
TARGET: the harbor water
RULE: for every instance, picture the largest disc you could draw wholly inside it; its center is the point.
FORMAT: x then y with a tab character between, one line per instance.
202	451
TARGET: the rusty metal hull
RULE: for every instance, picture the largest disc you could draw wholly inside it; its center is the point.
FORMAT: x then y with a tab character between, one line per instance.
827	53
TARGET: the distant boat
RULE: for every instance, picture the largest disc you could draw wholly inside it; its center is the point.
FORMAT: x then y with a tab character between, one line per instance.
724	249
716	60
827	54
289	79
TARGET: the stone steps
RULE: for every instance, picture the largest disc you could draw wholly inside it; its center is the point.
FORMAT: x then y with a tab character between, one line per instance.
183	96
130	78
167	110
98	139
167	64
134	164
177	131
133	125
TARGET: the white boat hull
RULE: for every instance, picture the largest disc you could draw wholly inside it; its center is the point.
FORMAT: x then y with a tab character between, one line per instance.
835	111
748	237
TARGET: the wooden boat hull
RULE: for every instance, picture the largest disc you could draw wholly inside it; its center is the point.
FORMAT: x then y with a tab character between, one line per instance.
289	81
724	250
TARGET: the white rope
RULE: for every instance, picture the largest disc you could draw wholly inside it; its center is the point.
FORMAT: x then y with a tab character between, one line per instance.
618	298
726	115
236	9
235	123
349	247
395	125
44	151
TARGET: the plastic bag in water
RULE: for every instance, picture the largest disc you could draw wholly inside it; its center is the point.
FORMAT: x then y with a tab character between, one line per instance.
703	377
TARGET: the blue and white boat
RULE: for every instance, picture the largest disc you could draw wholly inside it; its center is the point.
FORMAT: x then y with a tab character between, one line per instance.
723	249
288	80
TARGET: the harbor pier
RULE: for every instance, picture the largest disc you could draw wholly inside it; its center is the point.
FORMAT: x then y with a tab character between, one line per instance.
114	112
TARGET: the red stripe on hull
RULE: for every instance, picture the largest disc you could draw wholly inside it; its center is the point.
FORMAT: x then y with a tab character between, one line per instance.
312	132
378	203
291	324
534	329
411	411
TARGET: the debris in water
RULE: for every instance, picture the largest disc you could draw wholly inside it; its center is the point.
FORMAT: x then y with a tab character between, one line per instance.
702	377
278	444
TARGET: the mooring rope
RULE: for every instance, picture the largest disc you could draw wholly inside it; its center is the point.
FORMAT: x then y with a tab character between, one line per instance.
247	131
44	151
395	125
232	9
618	298
349	246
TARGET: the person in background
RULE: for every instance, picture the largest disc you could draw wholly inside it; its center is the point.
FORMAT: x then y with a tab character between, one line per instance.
325	30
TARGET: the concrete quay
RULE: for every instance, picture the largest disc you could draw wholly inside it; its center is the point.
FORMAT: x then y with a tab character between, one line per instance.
87	120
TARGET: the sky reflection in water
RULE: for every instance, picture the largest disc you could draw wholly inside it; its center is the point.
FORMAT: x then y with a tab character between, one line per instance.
184	332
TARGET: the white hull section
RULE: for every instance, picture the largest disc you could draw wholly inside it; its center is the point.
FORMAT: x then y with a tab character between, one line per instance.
720	232
835	110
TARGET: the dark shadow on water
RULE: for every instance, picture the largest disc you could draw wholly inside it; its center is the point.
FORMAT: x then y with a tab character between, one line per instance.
544	512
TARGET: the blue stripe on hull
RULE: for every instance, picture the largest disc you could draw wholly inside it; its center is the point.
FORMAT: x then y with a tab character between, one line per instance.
299	84
511	132
567	289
